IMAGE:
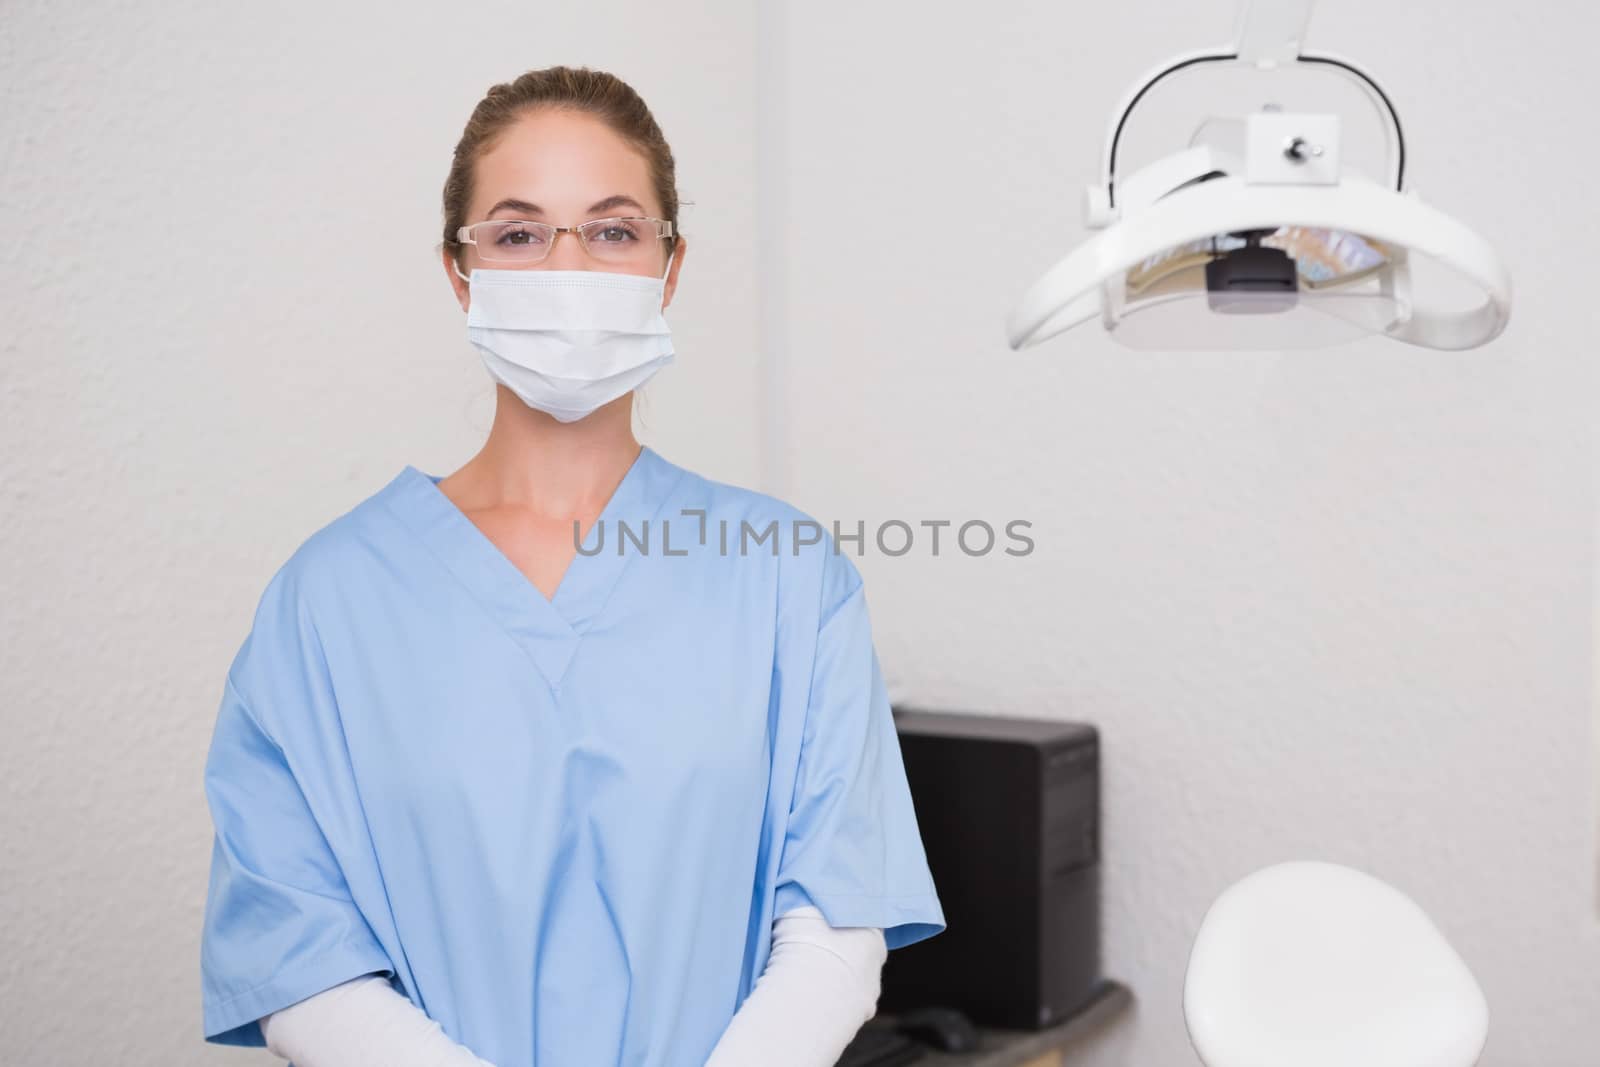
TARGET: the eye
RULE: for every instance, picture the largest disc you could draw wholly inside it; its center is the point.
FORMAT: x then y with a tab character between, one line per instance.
515	235
615	233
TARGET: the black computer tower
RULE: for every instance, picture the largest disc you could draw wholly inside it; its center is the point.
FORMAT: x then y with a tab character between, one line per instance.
1009	811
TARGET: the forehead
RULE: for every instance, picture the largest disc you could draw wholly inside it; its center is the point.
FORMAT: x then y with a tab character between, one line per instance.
562	161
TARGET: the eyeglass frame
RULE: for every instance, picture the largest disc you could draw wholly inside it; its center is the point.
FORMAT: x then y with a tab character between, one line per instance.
464	233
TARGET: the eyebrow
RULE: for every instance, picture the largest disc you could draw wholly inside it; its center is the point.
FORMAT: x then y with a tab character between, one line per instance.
525	208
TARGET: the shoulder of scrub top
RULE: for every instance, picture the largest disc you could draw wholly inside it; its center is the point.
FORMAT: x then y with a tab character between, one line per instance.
816	576
808	548
282	651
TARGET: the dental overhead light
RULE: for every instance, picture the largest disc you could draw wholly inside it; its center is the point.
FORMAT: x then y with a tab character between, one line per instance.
1258	235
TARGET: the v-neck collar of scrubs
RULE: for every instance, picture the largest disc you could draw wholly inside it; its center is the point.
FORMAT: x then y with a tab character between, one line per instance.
548	630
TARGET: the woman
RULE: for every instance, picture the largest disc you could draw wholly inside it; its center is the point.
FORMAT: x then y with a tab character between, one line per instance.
482	797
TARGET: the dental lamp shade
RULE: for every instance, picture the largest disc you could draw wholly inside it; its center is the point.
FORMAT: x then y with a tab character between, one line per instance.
1269	242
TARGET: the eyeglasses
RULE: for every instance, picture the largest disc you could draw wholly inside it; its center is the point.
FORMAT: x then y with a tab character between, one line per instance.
622	240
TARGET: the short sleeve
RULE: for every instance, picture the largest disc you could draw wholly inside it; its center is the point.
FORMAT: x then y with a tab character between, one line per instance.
280	924
852	848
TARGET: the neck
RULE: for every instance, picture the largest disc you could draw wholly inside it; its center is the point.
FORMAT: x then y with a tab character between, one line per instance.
556	469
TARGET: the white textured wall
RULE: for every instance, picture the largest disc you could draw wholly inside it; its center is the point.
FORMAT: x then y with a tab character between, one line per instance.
224	324
1328	604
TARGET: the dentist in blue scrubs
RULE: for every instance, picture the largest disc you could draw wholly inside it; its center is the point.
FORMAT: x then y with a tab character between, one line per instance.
572	756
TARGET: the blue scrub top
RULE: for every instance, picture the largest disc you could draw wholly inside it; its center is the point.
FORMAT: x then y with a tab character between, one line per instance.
563	826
